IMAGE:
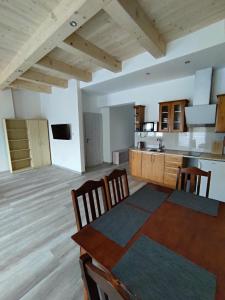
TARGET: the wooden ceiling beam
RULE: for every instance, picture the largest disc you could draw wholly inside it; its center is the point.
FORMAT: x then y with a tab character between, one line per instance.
132	18
26	85
103	59
35	76
54	29
74	72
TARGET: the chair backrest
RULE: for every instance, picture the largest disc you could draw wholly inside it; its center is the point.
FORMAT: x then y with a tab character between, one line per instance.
99	284
117	188
88	203
189	180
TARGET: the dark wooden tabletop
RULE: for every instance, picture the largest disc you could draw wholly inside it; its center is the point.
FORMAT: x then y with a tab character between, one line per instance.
196	236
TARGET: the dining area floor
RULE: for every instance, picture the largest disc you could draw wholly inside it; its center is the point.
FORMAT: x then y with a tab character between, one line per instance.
38	259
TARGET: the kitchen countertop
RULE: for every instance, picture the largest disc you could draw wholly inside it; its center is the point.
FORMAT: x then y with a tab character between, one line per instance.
189	154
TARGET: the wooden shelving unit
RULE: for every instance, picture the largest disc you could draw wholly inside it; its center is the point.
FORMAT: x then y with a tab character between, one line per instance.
18	144
27	143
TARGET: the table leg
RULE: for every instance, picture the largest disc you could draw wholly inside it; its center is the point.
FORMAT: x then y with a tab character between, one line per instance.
85	294
82	251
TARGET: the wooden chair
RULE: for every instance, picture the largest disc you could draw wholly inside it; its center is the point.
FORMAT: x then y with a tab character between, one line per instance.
101	285
117	188
189	179
87	197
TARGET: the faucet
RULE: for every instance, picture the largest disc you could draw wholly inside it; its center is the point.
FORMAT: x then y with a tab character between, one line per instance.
160	140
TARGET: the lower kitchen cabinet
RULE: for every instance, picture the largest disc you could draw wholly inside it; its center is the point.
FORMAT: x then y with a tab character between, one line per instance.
147	165
156	167
153	166
172	162
135	162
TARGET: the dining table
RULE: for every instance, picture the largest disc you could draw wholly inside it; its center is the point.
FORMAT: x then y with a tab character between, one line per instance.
191	234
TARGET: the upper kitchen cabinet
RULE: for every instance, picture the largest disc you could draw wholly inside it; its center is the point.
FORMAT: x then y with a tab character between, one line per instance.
220	116
139	116
172	117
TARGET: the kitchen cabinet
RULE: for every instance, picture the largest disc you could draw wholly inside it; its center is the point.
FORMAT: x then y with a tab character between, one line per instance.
139	117
172	162
158	160
172	116
135	162
220	116
156	167
150	165
146	167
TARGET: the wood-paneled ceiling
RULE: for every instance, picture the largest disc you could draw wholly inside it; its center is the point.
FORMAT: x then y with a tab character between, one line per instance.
40	48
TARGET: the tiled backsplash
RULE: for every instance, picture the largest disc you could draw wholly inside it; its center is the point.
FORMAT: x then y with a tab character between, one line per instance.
199	139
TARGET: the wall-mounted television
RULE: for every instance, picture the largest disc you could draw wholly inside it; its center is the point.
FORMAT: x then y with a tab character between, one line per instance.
61	131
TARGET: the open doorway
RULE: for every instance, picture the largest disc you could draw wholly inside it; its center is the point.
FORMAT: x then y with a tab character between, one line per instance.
118	129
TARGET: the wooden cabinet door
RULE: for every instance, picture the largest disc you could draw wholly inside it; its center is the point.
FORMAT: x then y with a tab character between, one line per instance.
135	159
164	117
220	116
158	162
147	165
34	143
44	142
178	123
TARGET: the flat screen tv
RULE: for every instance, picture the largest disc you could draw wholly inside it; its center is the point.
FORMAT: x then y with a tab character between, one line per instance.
61	131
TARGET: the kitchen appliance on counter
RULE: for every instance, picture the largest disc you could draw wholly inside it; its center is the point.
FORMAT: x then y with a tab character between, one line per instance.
150	126
141	145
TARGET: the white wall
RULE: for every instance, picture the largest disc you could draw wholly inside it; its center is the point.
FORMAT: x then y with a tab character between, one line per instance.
27	104
90	103
6	111
151	95
64	106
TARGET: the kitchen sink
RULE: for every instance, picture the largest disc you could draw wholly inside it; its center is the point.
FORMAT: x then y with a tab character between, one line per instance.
155	150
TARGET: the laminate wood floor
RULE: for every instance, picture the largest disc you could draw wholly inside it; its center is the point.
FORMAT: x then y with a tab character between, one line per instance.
38	260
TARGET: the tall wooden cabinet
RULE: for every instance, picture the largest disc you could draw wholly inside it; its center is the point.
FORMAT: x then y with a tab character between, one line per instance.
39	142
220	116
27	143
172	116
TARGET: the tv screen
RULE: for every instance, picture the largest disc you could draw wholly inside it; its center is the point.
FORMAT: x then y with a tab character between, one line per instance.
61	131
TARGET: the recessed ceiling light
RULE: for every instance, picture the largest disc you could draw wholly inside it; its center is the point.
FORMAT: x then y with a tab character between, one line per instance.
73	23
187	62
147	73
